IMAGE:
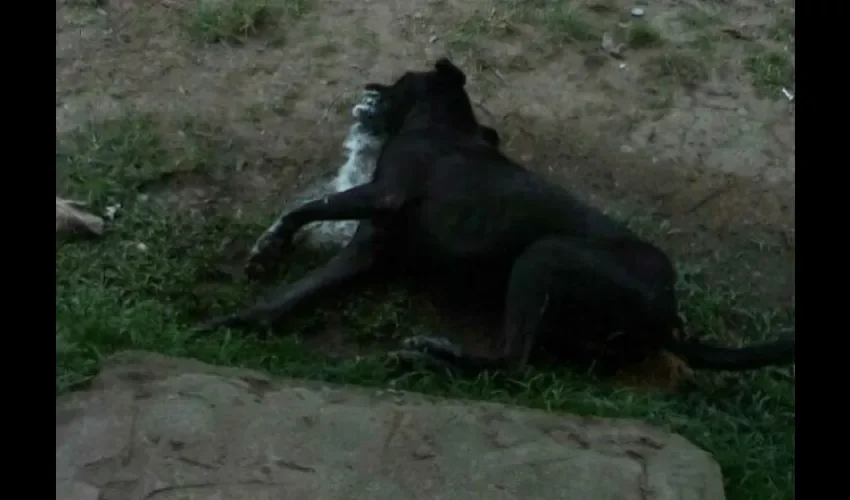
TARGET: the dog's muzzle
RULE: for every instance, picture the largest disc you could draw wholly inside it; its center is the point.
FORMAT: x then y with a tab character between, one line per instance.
368	112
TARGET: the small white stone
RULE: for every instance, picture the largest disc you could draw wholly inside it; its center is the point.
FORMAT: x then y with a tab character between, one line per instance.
638	11
111	210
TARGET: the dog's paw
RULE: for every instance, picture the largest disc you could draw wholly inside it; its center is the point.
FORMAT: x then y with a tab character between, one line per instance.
366	109
439	347
255	268
267	248
215	323
257	262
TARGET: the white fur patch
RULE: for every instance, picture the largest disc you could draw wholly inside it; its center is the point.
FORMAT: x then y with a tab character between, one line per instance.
362	148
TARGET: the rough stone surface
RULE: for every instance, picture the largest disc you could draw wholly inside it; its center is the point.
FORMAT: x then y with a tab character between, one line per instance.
154	427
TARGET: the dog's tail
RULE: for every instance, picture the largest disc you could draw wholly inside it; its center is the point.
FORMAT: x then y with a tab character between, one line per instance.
699	355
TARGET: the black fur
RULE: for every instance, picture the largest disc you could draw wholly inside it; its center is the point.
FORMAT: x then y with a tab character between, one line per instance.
445	205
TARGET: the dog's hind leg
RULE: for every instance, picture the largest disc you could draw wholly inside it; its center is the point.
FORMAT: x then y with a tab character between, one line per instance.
355	259
578	298
528	300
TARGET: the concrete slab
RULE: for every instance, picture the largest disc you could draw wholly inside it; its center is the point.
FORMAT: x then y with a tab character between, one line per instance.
159	428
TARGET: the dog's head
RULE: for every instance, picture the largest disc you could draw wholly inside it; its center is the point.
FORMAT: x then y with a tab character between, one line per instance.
439	92
420	85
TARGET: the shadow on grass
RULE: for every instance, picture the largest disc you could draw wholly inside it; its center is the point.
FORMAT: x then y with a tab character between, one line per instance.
160	269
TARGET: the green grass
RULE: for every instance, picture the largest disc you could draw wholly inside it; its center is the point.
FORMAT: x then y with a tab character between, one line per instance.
566	22
771	70
642	35
233	21
112	294
551	24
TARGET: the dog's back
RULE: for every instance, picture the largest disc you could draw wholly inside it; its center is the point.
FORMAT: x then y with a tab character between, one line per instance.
470	201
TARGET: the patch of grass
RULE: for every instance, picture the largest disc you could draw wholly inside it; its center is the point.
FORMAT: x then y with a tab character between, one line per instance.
684	68
113	294
770	71
546	24
566	22
642	35
233	21
498	23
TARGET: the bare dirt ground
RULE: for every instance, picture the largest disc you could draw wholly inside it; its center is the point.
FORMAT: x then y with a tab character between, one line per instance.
676	118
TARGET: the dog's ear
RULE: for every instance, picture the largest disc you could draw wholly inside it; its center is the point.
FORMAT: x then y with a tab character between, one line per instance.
450	73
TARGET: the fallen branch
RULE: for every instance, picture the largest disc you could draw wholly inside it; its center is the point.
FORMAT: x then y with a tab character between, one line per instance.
70	219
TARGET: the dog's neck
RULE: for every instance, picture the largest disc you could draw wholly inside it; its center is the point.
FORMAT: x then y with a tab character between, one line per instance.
447	112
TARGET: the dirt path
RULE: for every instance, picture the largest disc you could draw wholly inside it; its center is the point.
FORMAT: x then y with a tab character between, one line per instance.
677	118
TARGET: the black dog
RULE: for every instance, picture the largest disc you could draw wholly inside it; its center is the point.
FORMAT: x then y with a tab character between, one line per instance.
445	204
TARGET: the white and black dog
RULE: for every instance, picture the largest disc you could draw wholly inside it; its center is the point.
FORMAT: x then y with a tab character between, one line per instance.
362	146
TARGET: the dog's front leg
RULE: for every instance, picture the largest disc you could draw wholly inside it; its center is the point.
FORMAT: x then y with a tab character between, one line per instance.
356	259
359	203
263	246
